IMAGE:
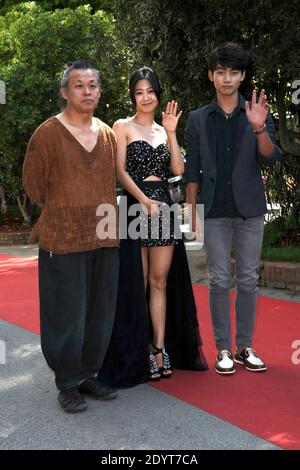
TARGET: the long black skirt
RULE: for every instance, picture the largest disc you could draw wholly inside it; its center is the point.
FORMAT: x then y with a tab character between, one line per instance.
126	361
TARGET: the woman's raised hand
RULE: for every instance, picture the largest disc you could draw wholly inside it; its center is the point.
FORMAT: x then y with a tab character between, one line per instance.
170	117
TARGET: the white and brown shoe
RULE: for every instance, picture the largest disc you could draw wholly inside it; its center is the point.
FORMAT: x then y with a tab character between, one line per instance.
224	362
249	359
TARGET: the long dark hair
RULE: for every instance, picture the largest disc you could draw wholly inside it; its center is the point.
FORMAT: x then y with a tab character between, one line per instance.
144	73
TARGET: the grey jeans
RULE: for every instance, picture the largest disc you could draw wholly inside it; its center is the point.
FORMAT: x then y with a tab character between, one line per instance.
245	237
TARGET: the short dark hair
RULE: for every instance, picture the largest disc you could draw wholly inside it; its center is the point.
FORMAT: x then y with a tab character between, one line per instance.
144	73
228	54
81	64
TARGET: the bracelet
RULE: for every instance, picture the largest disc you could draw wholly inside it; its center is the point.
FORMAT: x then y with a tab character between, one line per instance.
259	131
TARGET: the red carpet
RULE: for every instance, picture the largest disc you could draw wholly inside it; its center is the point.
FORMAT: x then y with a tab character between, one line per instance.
19	292
266	404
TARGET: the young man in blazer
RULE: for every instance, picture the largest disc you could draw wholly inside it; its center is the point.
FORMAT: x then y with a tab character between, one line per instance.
227	141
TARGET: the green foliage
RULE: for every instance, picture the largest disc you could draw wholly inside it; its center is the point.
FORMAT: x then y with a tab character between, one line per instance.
280	231
288	254
284	185
35	47
272	233
95	4
176	37
106	5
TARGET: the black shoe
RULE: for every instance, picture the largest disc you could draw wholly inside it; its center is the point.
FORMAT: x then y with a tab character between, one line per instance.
72	401
93	388
249	359
224	362
165	369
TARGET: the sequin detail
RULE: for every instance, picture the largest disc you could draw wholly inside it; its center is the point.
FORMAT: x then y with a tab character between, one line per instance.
158	230
143	160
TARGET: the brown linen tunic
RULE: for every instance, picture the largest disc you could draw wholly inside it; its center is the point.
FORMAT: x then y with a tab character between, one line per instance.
71	183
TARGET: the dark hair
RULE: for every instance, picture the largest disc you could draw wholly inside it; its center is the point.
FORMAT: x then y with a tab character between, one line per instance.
81	64
144	73
228	54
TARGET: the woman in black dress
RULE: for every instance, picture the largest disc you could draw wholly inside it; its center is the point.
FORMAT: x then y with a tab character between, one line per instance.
156	320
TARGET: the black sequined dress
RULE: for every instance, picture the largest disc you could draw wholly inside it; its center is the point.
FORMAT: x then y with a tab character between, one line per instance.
126	361
142	161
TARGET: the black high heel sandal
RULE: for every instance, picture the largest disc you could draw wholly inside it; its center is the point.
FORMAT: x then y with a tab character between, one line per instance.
165	370
154	371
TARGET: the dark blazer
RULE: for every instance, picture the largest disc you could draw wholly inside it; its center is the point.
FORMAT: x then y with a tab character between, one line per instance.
201	165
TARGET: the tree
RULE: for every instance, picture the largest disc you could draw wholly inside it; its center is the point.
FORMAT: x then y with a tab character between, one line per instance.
176	37
35	47
105	5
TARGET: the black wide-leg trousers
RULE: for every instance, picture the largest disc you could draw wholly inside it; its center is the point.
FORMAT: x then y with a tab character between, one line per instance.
78	294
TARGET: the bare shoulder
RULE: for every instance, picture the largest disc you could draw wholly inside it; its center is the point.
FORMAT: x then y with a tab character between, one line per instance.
158	127
160	130
123	126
